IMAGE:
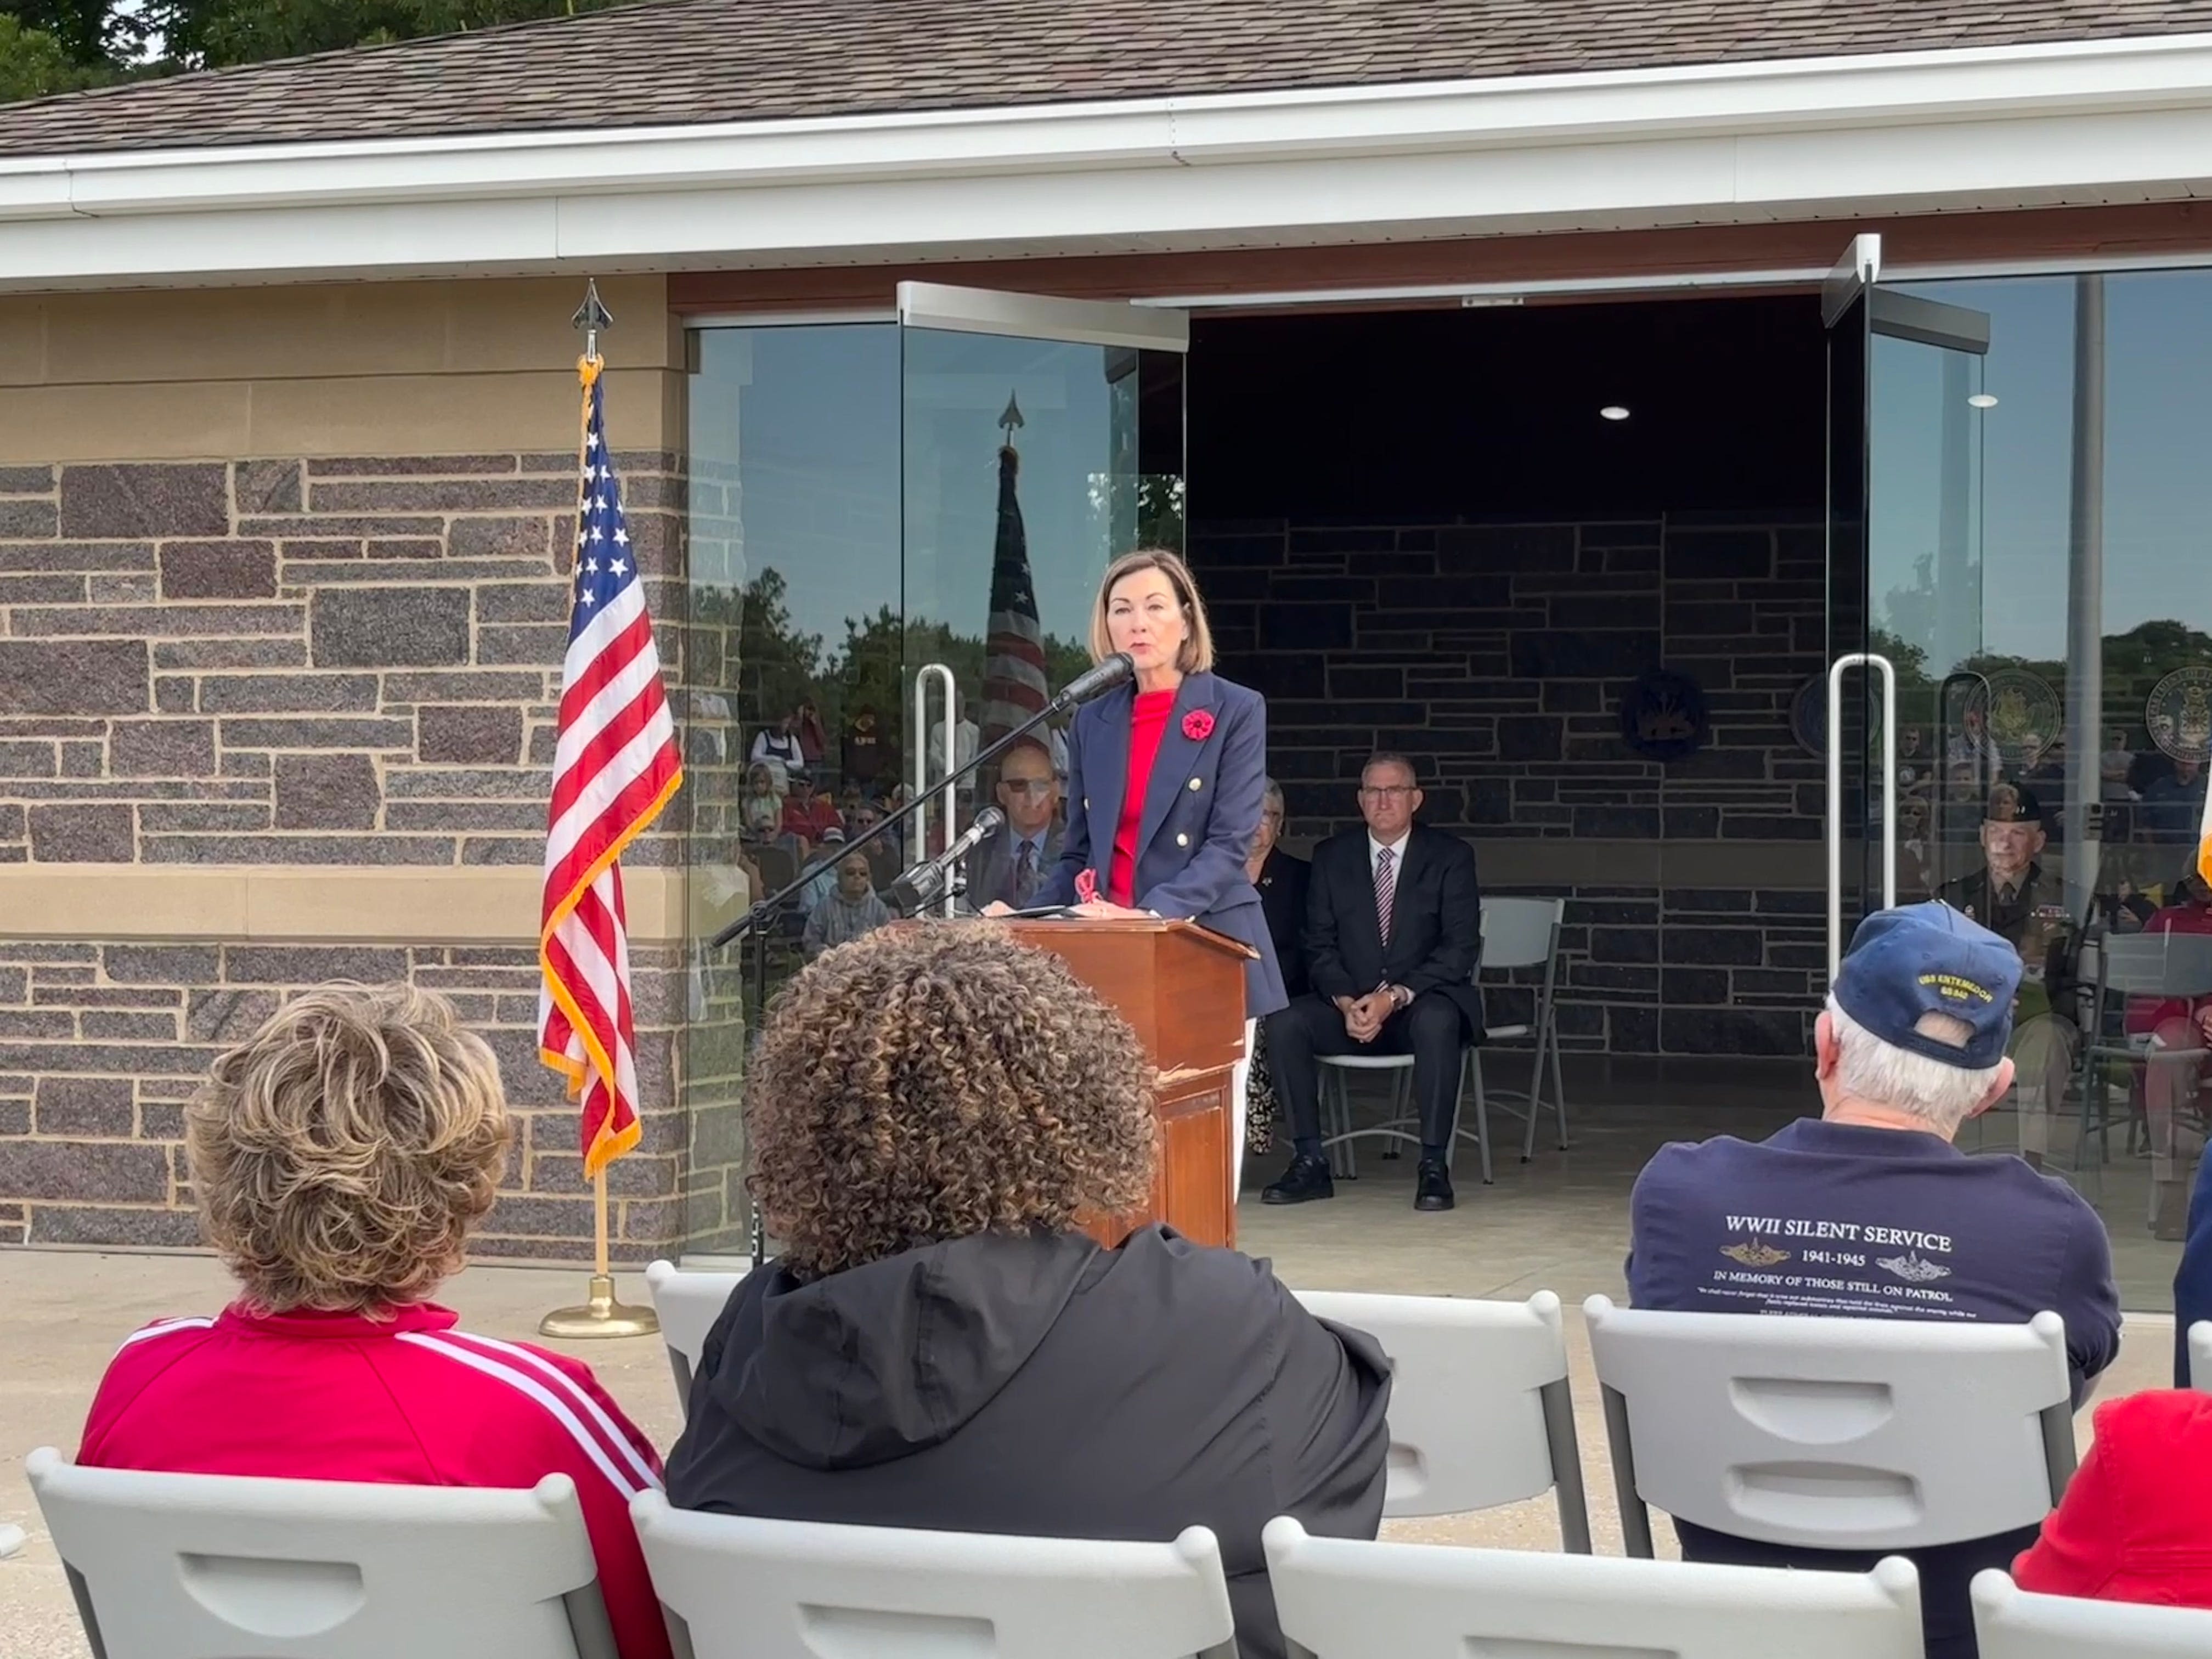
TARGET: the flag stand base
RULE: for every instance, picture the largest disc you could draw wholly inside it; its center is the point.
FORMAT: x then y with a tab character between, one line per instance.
600	1315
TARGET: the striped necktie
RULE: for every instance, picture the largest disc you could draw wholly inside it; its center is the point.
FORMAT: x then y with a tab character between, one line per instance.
1025	874
1385	892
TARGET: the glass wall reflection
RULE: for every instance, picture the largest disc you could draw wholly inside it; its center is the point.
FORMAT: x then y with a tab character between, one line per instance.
1026	474
867	502
794	712
2038	557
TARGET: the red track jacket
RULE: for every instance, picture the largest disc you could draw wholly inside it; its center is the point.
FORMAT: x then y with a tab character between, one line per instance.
2135	1524
409	1400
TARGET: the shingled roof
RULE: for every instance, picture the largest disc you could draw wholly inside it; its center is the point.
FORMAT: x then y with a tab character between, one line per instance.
695	61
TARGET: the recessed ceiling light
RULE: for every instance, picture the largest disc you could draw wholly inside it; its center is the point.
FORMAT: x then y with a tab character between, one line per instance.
1983	400
1614	412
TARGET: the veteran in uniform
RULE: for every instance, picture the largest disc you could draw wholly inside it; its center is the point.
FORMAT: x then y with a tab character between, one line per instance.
2015	899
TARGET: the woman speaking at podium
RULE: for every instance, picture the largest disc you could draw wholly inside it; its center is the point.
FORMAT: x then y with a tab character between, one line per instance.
1164	782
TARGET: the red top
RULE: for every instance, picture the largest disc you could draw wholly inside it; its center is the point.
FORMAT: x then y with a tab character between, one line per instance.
1148	725
817	817
2135	1524
408	1400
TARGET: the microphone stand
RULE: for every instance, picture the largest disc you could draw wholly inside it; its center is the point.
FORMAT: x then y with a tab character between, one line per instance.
755	921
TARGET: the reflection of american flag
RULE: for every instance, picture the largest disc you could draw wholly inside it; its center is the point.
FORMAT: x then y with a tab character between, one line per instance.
615	766
1014	654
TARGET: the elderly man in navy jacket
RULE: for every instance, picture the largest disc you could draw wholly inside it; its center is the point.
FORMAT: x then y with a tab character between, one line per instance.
1912	1045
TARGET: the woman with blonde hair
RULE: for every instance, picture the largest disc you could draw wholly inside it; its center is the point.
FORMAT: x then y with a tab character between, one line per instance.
1165	777
934	1114
340	1156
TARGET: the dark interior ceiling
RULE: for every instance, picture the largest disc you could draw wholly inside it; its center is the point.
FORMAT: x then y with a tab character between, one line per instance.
1492	412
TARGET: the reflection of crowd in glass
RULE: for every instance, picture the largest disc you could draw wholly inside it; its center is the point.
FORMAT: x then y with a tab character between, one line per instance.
2149	808
801	804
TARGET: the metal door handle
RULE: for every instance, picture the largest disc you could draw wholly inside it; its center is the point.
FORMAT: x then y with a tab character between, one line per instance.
1836	670
948	805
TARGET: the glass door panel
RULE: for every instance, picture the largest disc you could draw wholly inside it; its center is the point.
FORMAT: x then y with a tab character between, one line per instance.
1041	438
1906	402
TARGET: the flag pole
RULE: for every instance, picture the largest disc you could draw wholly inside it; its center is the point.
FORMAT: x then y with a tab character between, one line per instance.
600	1314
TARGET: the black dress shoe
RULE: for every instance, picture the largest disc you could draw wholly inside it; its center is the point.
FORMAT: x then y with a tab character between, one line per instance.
1432	1186
1307	1179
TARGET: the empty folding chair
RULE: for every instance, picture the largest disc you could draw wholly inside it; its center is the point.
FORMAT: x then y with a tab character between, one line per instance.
2010	1623
1830	1433
2200	1356
1518	934
688	1305
1343	1598
743	1588
1479	1410
212	1566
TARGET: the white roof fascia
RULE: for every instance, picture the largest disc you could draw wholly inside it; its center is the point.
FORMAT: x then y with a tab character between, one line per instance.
2099	121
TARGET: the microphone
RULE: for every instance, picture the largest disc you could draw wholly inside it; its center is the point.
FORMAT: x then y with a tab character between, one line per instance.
924	884
1116	670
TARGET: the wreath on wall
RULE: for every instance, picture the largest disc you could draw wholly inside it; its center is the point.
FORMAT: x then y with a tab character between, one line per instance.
1663	715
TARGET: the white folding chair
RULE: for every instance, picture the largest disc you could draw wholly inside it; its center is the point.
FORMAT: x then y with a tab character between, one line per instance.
688	1305
1521	934
209	1566
1480	1410
1346	1598
1832	1433
2200	1356
744	1588
2010	1623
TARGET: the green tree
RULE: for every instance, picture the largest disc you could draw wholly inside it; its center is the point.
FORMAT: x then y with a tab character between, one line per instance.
33	64
48	46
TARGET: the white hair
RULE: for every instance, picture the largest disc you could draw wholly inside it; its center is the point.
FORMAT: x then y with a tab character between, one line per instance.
1271	794
1870	1069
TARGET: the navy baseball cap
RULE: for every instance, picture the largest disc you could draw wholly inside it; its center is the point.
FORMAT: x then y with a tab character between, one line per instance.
1928	958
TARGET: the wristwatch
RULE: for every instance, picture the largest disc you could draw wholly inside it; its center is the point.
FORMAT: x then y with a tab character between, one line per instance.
1400	997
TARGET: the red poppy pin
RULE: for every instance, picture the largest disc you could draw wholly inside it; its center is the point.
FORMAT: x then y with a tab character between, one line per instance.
1197	725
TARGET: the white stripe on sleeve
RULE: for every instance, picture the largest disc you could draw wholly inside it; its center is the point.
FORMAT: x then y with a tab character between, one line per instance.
565	1385
526	1385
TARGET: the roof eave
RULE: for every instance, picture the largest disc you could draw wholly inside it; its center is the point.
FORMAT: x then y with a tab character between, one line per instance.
2112	119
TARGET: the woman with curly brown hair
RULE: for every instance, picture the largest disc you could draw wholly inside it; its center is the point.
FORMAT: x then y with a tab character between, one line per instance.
340	1156
934	1111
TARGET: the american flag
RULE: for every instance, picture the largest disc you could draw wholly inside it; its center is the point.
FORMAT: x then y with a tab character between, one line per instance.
1013	649
615	766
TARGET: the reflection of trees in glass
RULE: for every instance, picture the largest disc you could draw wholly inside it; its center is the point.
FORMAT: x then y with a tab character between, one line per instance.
1159	512
779	666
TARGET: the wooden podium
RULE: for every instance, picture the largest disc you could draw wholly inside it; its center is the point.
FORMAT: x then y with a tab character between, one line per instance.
1181	987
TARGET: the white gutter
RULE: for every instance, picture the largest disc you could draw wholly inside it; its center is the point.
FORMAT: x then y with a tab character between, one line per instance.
2097	120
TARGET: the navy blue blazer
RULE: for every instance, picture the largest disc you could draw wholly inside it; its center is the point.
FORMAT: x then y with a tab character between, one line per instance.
1201	810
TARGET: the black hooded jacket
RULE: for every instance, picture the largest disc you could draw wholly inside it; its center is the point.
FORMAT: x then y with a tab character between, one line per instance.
1042	1385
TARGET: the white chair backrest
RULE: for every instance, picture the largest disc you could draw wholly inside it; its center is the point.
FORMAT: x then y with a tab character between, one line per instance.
2200	1356
753	1588
1469	1427
206	1566
2010	1623
688	1305
1342	1598
1871	1434
1517	933
2159	964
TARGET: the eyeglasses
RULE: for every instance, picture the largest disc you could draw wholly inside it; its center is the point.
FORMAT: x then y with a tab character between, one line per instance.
1387	791
1027	786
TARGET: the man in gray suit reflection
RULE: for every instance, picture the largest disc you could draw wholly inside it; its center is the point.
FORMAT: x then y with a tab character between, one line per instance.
1009	866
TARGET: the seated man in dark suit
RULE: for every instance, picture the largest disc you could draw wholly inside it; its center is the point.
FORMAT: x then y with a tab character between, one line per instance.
1394	930
1008	865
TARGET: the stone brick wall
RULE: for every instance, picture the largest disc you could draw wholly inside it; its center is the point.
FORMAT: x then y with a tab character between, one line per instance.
1495	655
100	1044
327	661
